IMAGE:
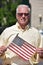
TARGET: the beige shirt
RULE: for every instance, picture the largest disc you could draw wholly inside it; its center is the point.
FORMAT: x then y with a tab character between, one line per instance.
31	35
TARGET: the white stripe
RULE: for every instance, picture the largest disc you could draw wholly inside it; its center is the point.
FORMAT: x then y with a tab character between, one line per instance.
18	53
23	50
29	48
29	45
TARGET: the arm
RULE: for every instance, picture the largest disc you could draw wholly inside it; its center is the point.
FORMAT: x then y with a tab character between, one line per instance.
41	48
2	46
35	58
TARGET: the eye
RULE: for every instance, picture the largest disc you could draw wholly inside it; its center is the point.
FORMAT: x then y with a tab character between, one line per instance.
21	14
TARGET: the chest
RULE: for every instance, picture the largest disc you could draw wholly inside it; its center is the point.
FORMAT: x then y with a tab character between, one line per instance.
29	36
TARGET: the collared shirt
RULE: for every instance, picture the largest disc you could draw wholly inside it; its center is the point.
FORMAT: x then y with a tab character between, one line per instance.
31	35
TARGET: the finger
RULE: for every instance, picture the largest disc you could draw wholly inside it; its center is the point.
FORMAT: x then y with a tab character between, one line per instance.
3	48
39	50
1	52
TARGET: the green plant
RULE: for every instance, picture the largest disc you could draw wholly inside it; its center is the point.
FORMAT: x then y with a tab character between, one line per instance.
8	12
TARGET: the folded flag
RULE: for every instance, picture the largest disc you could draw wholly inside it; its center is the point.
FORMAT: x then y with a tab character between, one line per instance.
22	48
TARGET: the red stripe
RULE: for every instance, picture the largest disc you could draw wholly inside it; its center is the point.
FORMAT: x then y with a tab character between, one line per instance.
26	49
18	51
22	50
30	46
18	54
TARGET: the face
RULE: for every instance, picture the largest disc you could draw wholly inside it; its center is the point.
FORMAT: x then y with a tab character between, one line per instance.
23	16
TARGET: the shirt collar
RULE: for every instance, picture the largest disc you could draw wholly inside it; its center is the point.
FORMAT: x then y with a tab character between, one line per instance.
26	28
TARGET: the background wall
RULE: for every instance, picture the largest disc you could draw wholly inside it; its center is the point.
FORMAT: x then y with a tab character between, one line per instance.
37	11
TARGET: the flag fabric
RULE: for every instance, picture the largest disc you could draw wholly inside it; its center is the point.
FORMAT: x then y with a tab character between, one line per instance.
22	48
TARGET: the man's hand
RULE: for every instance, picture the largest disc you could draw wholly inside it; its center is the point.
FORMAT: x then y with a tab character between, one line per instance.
40	52
2	49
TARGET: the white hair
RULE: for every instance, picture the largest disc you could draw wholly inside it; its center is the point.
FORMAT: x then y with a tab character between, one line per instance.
22	5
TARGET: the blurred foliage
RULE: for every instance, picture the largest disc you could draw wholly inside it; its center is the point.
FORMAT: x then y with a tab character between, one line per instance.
8	11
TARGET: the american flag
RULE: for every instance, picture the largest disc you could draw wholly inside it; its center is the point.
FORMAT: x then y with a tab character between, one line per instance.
22	48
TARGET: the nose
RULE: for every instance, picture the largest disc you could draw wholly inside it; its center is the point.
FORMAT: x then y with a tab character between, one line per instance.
23	15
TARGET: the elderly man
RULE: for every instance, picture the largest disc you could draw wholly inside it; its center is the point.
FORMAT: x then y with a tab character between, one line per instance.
23	29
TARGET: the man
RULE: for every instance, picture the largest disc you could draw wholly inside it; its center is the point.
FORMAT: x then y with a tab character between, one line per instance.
22	28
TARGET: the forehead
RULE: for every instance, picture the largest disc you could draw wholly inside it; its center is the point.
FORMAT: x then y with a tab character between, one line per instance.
23	10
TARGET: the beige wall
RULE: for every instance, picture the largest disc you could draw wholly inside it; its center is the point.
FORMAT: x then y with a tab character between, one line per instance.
37	9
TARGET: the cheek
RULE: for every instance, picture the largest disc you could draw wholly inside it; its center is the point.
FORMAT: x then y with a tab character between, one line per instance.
18	18
27	19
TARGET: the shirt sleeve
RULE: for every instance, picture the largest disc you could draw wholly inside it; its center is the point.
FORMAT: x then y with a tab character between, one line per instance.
35	58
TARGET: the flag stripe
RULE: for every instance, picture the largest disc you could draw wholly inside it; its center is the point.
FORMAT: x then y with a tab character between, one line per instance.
21	49
18	52
29	48
26	49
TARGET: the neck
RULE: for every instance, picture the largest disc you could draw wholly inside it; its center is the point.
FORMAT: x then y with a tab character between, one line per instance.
22	26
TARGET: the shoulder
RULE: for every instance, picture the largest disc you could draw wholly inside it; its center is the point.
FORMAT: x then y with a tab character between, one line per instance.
35	31
11	28
8	29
